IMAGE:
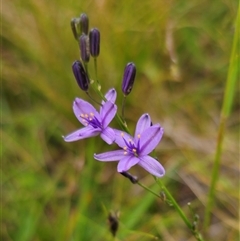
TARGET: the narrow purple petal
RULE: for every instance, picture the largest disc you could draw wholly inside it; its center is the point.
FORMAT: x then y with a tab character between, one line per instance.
126	163
120	137
152	166
143	123
150	138
111	95
107	113
108	135
110	156
81	134
83	107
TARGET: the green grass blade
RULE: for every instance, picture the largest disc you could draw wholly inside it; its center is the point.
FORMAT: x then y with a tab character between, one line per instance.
233	73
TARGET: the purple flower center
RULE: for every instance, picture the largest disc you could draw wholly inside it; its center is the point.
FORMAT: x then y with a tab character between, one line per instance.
131	148
90	119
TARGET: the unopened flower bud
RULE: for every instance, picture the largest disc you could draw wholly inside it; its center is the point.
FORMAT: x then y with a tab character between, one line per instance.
84	47
73	27
80	75
94	39
128	78
113	222
83	25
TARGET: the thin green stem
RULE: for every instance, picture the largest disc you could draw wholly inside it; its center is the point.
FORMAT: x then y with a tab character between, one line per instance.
233	72
170	198
96	73
196	234
123	105
174	203
148	189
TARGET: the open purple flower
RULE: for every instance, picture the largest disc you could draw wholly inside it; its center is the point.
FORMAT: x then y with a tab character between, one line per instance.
95	123
135	149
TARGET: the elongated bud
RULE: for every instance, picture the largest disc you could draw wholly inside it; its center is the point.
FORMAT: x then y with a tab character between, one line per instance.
84	48
83	24
94	39
80	75
73	27
128	78
113	222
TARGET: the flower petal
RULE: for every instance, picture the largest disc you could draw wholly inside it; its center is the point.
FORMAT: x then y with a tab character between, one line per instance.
110	156
81	134
126	163
120	137
107	113
108	135
111	95
150	138
83	107
152	166
143	123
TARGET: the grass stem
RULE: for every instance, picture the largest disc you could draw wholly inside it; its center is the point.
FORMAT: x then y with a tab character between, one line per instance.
233	72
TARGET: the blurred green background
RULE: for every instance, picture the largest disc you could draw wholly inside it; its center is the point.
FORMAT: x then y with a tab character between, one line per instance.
52	190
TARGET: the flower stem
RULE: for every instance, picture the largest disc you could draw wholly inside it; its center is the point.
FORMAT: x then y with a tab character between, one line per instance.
174	203
95	68
170	198
148	189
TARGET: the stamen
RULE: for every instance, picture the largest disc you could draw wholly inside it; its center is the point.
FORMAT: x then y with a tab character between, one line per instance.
138	136
124	148
134	150
125	153
82	115
122	134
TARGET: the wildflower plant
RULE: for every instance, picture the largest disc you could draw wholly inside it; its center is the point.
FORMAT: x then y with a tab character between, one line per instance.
131	150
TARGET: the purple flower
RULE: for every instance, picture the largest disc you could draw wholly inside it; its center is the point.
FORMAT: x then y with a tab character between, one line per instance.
95	123
135	149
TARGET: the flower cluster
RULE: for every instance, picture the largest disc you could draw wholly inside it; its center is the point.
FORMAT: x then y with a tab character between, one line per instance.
132	149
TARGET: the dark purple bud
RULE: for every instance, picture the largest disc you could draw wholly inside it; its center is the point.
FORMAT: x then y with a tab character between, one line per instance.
83	25
80	75
113	223
84	48
73	27
128	78
132	178
94	39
